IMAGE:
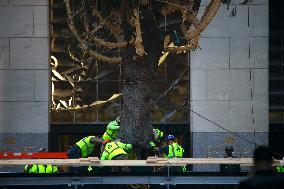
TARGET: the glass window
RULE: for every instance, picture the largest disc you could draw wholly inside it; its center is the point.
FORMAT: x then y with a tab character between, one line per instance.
82	88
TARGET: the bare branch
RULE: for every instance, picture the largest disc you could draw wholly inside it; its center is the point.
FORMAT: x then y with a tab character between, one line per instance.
84	44
115	30
193	20
178	49
96	40
175	3
173	6
138	41
168	9
107	44
100	41
206	18
166	41
77	13
101	24
113	60
193	37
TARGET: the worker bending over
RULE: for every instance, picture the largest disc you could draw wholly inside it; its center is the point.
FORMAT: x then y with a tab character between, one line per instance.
83	148
41	168
172	150
115	150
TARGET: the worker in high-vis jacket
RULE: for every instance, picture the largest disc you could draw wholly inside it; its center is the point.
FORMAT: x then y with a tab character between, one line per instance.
172	150
158	138
84	148
41	168
112	130
280	169
115	150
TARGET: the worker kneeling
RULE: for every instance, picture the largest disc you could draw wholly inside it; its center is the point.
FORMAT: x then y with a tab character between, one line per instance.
83	148
115	150
41	168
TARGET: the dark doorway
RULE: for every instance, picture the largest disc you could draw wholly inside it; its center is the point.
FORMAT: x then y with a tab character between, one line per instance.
276	77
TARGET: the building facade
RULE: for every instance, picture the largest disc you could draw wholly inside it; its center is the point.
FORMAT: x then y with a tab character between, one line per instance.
228	78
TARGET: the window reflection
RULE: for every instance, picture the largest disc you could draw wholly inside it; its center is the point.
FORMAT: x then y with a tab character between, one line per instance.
77	82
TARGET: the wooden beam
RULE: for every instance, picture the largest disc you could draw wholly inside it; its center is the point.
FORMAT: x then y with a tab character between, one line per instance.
150	162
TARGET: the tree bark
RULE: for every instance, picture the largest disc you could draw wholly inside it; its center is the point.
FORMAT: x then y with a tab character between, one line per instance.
140	74
139	88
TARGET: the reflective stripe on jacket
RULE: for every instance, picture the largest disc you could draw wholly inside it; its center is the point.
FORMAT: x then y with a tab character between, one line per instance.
41	169
110	134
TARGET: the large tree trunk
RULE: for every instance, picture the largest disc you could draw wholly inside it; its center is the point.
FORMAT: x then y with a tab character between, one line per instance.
139	88
140	74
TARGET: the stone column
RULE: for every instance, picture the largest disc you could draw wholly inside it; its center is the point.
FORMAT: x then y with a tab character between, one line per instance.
229	81
24	75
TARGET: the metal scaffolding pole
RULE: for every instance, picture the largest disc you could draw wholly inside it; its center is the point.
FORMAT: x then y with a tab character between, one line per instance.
166	181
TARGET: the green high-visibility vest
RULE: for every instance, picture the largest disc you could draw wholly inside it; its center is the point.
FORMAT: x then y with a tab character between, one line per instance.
110	134
113	149
41	169
280	169
86	146
51	169
175	150
160	134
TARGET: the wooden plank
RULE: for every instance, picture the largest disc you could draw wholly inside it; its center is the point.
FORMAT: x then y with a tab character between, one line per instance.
159	162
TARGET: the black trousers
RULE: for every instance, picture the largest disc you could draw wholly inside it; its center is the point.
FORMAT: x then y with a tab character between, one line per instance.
120	169
74	152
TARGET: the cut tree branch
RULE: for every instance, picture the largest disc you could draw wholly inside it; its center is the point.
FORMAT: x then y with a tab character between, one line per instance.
84	44
193	36
209	14
138	40
114	29
96	40
191	18
178	49
107	44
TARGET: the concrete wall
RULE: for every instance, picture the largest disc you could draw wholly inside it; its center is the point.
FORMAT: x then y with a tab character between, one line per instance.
229	80
24	75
